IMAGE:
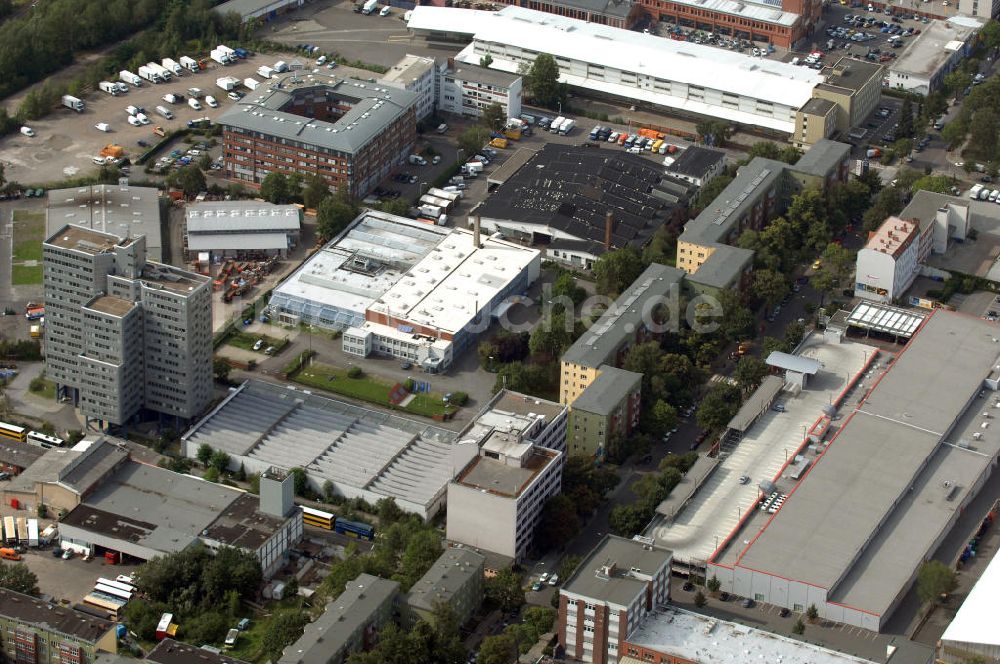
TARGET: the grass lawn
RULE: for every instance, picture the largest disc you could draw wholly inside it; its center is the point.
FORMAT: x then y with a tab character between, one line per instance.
45	388
29	233
246	341
25	275
367	388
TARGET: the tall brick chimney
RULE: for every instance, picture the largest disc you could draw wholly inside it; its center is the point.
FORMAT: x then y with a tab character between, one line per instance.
609	221
475	232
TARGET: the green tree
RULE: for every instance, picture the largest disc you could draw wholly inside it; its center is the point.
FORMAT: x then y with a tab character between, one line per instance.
568	566
662	417
887	203
713	584
627	520
794	332
799	627
500	649
550	336
699	599
204	454
486	61
211	474
812	613
299	480
210	627
493	117
221	369
188	179
769	286
771	150
750	371
542	82
616	270
220	461
335	213
957	81
472	139
19	578
558	524
420	553
275	188
316	189
504	590
719	406
388	511
565	286
281	630
905	128
954	133
714	132
934	579
941	184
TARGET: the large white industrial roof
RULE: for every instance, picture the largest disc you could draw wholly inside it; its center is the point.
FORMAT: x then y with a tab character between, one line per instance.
976	621
667	59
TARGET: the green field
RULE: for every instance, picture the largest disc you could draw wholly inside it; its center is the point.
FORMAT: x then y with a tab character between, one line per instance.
29	233
246	341
25	275
368	388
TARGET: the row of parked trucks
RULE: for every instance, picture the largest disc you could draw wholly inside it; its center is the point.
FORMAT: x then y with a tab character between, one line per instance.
162	72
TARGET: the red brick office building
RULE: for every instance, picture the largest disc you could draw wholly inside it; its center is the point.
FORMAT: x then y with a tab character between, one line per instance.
348	132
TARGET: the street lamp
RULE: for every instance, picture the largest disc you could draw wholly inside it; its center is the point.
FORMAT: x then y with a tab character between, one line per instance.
559	101
458	155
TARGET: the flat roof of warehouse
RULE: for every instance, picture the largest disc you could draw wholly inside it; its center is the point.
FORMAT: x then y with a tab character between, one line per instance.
627	50
935	45
572	188
372	109
860	487
242	217
122	210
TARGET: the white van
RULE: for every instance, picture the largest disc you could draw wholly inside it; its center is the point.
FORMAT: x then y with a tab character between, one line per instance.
195	104
28	131
131	110
385	11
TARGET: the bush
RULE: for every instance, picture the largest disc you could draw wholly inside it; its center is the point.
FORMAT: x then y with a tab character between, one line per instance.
459	398
355	372
699	599
799	627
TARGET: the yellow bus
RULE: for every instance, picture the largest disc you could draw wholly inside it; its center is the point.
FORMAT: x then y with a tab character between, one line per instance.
317	518
104	605
13	431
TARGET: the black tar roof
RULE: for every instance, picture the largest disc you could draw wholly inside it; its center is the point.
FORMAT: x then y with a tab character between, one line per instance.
32	611
169	651
696	161
572	188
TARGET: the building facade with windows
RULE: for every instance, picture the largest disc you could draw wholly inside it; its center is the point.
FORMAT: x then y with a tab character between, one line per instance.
38	632
606	413
466	89
349	133
778	22
419	75
123	333
608	597
521	442
889	262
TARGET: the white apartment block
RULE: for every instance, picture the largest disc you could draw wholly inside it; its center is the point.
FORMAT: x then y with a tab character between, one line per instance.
519	466
609	595
418	75
466	89
123	333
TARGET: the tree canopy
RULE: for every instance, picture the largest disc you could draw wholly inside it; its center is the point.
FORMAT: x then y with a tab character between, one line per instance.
542	82
17	577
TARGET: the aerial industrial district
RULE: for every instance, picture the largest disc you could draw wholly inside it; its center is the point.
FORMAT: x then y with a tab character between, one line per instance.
628	332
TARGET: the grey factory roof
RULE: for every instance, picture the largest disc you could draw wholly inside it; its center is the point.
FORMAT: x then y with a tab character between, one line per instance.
77	468
884	481
850	74
476	74
353	609
511	166
248	8
19	454
696	161
121	210
924	205
757	403
604	394
242	217
59	619
497	477
450	572
790	362
614	8
723	214
333	440
927	52
569	190
723	268
169	651
599	344
823	158
373	108
153	507
621	586
237	241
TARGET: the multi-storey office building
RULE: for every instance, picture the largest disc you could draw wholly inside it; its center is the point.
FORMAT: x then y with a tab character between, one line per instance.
123	333
616	586
41	633
467	89
350	133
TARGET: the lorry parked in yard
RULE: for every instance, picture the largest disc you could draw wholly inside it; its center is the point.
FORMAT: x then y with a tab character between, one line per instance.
173	66
265	72
109	87
189	63
161	70
251	83
130	78
281	66
567	126
72	102
195	93
227	83
369	7
230	53
219	56
556	124
150	75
